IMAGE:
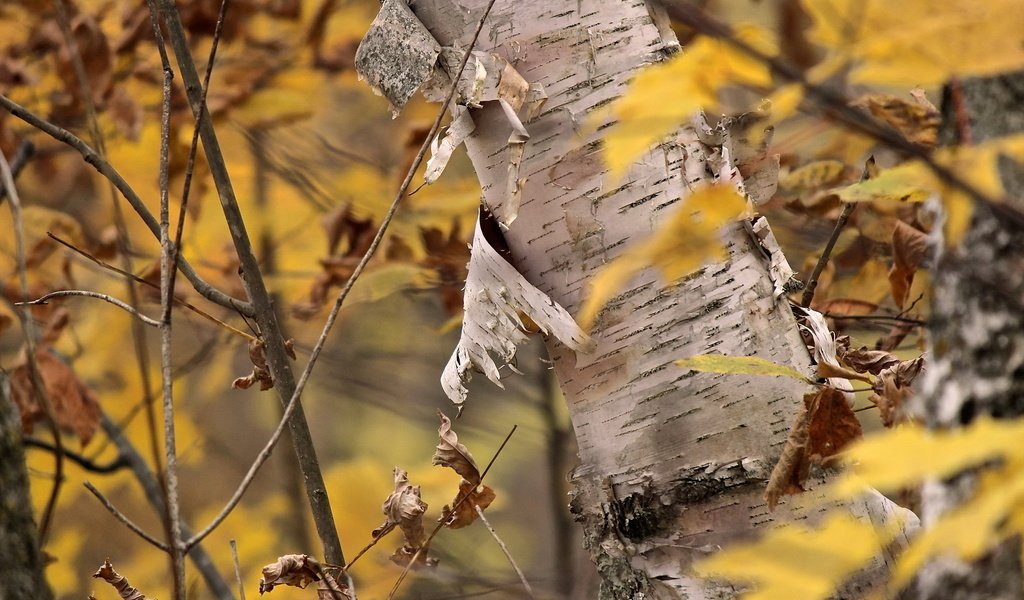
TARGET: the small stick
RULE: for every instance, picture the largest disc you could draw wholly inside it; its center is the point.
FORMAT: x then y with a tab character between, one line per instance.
124	519
238	570
805	301
88	294
504	549
26	150
138	279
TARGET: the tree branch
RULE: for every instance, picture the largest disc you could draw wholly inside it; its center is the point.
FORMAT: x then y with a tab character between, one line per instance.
88	294
107	170
120	516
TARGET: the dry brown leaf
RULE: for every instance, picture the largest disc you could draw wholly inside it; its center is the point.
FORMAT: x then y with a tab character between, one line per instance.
260	370
107	573
330	589
893	388
792	467
464	513
868	361
74	405
909	247
832	426
404	508
297	570
450	453
826	370
918	122
404	555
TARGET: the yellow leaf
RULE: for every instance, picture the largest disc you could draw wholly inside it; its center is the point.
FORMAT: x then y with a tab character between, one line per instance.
687	241
905	183
906	456
795	562
738	365
666	95
919	42
812	176
973	527
784	102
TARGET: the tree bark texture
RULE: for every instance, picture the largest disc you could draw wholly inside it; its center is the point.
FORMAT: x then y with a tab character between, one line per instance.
672	463
21	564
976	330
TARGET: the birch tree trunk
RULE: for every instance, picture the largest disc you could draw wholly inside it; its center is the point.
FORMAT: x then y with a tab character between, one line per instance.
673	463
977	333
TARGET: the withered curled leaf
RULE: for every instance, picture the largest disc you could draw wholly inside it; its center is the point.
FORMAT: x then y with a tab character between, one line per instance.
463	512
297	570
453	454
107	573
404	508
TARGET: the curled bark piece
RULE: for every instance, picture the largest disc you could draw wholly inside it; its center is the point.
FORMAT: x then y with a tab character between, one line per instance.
441	149
495	294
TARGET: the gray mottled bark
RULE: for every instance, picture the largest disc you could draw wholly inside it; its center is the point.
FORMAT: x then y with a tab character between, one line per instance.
977	332
21	564
672	463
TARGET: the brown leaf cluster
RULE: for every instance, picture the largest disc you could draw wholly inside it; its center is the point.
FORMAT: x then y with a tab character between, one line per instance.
404	509
74	406
348	239
824	426
453	454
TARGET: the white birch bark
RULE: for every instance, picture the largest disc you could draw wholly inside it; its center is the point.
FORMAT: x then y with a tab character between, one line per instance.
672	463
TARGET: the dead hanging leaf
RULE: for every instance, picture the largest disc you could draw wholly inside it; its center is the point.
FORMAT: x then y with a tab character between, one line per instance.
918	122
74	405
824	426
792	468
909	248
452	454
297	570
462	511
260	370
863	360
832	426
107	573
405	555
826	370
893	389
404	508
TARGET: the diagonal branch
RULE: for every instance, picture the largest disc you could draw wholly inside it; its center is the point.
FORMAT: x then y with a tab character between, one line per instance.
88	294
107	170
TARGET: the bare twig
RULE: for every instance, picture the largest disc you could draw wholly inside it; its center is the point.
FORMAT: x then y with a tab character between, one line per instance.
22	155
124	519
89	465
154	494
812	282
168	254
7	177
461	498
875	318
263	310
107	170
89	294
238	570
138	279
504	549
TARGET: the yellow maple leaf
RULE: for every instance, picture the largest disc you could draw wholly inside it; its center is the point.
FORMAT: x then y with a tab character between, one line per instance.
793	561
665	95
684	243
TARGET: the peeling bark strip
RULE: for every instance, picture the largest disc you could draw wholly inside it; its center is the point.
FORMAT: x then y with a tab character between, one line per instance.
673	464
